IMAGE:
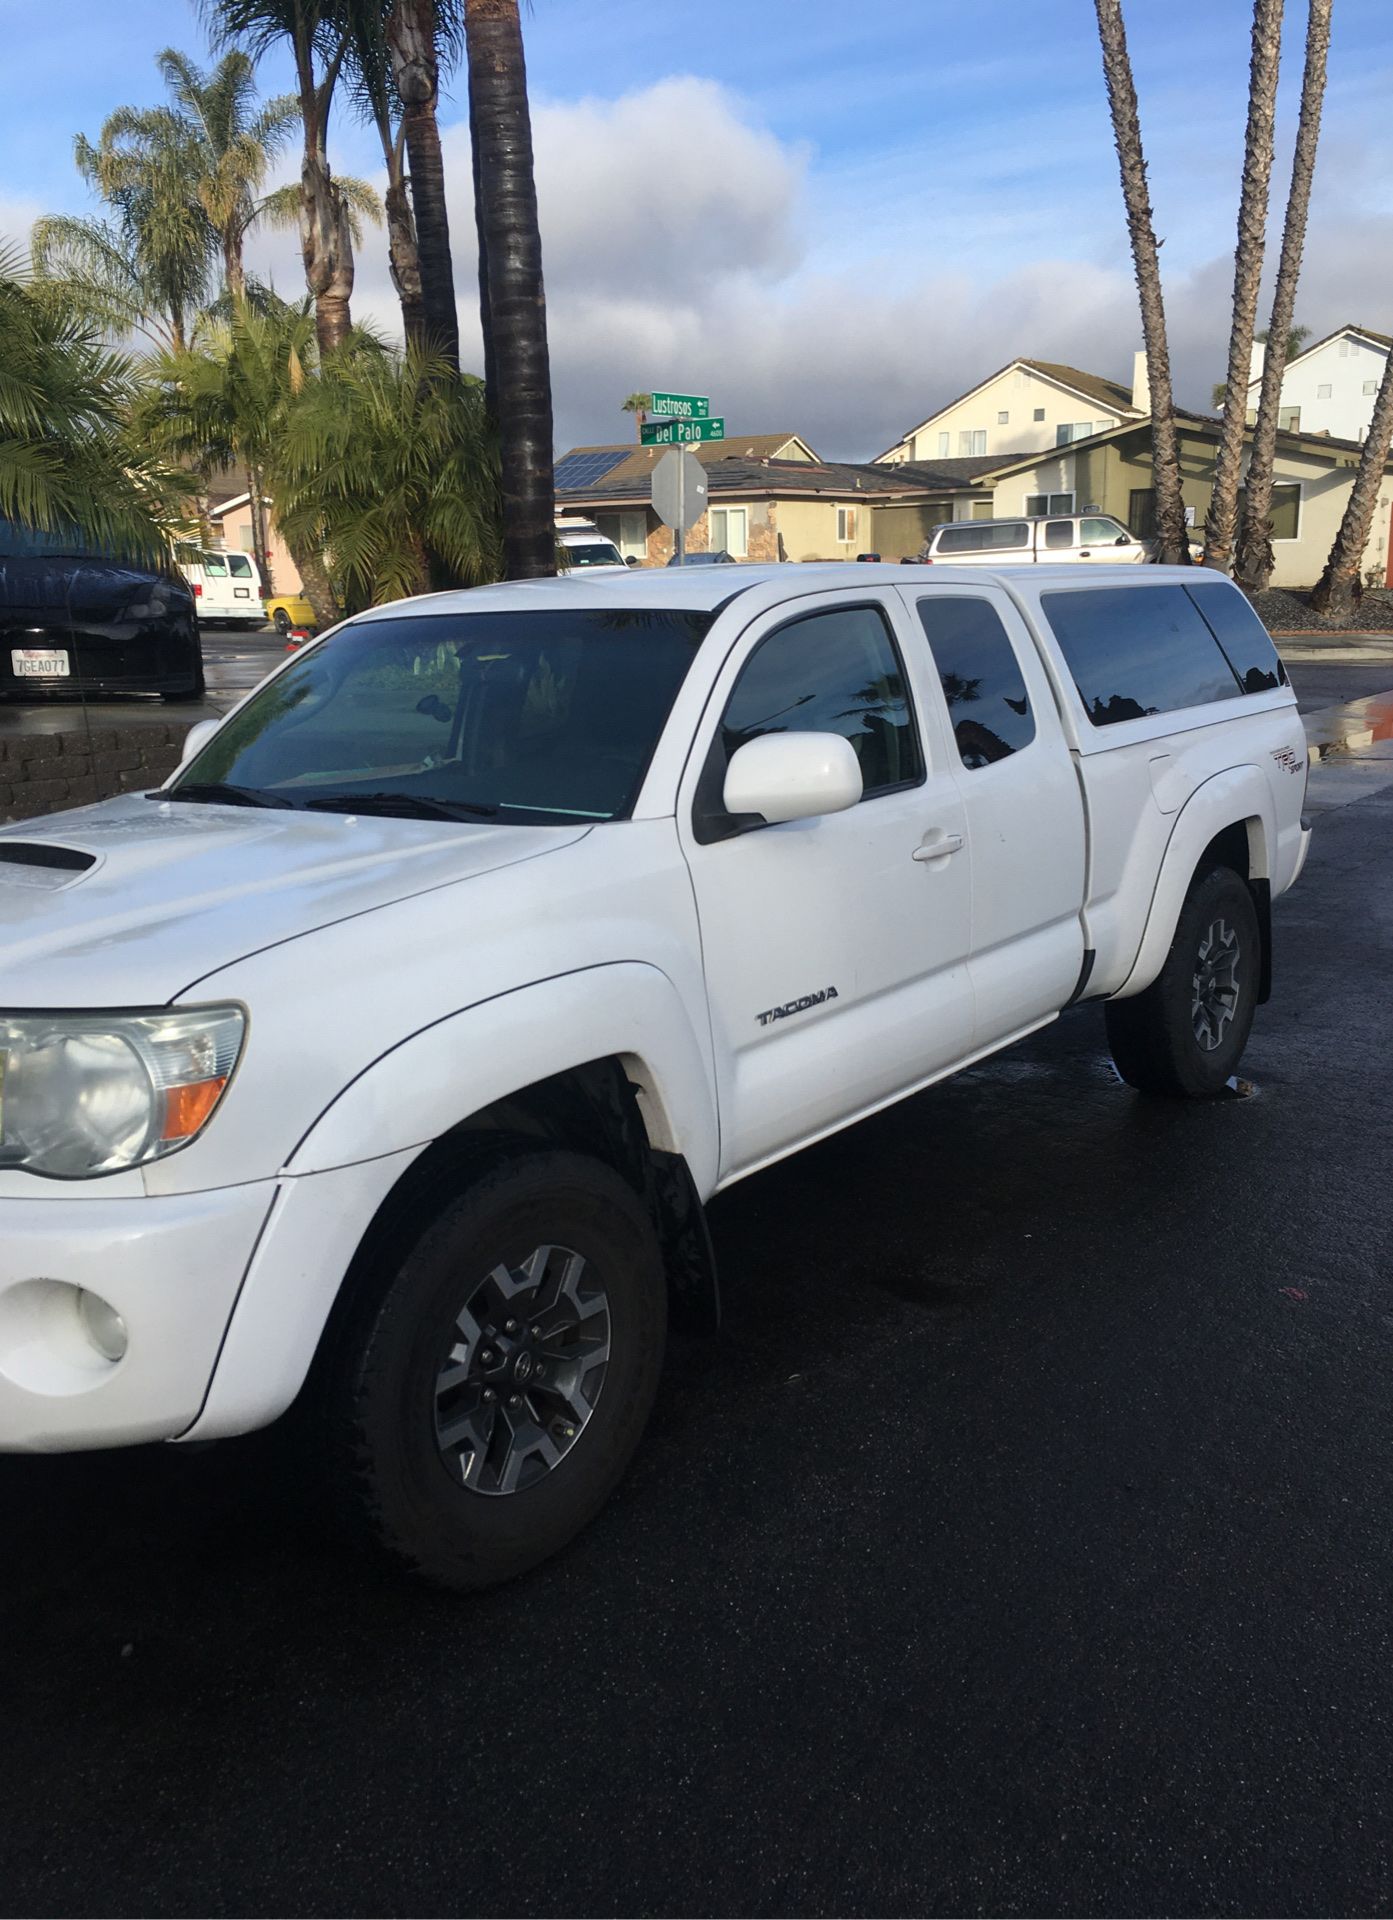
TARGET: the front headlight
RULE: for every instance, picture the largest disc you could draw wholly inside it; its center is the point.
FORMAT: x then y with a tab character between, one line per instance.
83	1094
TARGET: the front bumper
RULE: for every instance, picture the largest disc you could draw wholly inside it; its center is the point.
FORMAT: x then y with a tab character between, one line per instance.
171	1267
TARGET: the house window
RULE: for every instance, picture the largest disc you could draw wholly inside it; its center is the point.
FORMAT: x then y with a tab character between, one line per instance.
1072	430
944	440
1141	512
972	441
1041	503
247	538
1346	349
1039	413
846	525
1289	419
1323	391
1286	509
728	531
1003	419
1371	386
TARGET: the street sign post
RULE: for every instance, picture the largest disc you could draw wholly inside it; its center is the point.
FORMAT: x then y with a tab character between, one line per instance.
680	433
679	492
679	406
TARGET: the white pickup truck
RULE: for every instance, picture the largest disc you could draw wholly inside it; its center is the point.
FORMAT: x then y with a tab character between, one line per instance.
385	1058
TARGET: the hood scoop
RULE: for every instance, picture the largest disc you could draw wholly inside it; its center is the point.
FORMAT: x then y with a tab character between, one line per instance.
27	863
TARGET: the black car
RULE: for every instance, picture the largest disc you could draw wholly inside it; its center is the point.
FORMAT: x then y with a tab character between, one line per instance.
718	559
76	621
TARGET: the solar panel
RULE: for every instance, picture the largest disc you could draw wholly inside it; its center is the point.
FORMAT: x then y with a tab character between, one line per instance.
579	470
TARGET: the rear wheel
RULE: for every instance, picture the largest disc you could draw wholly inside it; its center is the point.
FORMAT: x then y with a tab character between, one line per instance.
484	1406
1186	1033
282	621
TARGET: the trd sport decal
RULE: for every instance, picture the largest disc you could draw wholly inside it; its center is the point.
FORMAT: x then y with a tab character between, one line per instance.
796	1006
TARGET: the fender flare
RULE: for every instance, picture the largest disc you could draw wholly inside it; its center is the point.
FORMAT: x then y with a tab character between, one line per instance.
1240	796
443	1073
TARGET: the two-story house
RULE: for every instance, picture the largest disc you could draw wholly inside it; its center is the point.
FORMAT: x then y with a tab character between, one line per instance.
1024	407
1329	387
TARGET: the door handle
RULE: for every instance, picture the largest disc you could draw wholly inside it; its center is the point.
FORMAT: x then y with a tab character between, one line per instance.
939	848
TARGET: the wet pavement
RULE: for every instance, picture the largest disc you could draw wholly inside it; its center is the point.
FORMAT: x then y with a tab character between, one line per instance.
1022	1547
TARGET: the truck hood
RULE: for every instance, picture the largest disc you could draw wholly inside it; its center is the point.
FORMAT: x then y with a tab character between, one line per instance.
131	902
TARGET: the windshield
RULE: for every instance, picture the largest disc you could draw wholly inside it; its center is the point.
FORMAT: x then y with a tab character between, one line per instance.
530	717
595	553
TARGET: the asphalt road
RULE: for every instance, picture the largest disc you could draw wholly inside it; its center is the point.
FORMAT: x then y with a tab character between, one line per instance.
1023	1546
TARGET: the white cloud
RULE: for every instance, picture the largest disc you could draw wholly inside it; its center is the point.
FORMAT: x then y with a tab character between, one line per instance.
685	245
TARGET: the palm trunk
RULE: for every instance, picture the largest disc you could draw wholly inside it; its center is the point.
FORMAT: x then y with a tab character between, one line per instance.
517	299
314	577
402	256
260	545
234	273
1255	559
1340	585
485	316
411	38
1221	520
1165	450
326	240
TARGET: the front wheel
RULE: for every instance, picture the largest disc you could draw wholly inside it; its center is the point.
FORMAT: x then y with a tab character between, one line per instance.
486	1405
281	621
1186	1033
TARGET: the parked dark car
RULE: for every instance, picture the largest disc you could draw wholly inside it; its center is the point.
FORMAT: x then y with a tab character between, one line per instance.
720	559
73	621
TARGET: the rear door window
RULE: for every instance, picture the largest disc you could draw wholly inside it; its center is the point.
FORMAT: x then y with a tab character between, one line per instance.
215	566
240	566
988	705
985	537
1245	640
1135	651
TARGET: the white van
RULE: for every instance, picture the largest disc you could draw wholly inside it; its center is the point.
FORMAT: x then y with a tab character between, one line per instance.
583	545
227	588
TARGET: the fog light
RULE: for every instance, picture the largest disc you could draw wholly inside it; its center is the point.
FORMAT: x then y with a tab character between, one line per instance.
102	1324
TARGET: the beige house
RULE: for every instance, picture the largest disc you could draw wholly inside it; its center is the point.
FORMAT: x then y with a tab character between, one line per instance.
769	498
1021	408
1112	472
1330	386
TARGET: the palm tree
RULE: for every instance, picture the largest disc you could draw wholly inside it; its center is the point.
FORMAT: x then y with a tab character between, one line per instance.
418	32
67	457
226	403
1165	450
370	70
388	464
318	38
234	141
1255	559
147	267
1221	520
515	318
1296	339
1340	585
638	404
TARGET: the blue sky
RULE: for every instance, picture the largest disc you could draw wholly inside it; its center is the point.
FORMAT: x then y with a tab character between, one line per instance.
834	216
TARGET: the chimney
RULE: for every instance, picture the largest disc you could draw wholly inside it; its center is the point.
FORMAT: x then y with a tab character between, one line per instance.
1141	385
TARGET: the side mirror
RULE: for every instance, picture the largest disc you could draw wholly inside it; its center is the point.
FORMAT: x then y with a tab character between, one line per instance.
633	561
197	739
1123	540
792	776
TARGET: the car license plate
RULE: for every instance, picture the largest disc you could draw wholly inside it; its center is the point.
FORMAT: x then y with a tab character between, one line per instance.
40	663
242	593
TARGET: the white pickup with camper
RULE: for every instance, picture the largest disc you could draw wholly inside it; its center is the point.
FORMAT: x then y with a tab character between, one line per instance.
386	1058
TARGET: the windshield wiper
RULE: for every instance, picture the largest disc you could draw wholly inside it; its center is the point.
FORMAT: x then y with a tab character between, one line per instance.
217	790
420	806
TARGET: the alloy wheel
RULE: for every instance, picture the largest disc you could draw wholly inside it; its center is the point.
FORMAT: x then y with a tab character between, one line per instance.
524	1370
1214	1000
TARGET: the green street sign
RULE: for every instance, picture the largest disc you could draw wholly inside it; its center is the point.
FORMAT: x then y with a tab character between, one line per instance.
681	433
680	406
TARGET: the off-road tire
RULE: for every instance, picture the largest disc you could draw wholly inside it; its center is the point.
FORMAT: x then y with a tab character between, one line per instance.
1153	1036
379	1389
